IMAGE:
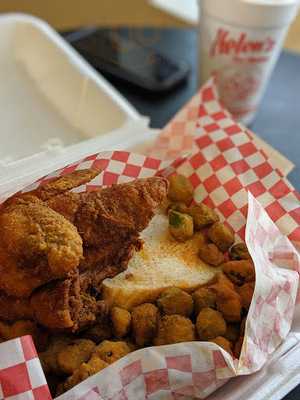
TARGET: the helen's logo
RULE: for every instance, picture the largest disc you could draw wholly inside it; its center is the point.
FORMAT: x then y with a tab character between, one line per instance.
226	44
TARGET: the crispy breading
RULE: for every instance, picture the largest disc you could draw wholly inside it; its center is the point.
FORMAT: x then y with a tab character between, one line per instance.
144	323
174	329
14	308
74	354
110	351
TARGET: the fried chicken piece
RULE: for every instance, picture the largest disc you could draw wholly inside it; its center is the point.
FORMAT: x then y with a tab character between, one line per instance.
210	324
74	354
204	297
24	328
239	271
175	301
94	365
13	308
174	329
110	351
70	304
224	343
121	320
144	323
36	245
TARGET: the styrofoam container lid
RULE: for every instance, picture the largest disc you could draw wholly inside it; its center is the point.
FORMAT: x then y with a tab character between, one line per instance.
54	107
252	13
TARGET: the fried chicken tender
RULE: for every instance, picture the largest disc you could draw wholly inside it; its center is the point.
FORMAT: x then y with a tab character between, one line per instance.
36	245
174	329
210	324
144	319
221	235
175	301
246	293
239	251
121	320
110	351
13	308
94	365
204	297
202	215
224	343
228	302
239	272
23	328
74	354
210	254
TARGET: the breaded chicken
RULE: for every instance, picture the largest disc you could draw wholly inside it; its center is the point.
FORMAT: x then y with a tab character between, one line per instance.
37	245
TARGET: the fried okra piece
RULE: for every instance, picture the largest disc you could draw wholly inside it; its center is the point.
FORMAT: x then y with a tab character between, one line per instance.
224	343
204	297
175	301
228	302
98	332
110	351
121	320
48	358
239	272
180	189
210	324
203	215
94	365
238	347
239	251
174	329
178	206
232	332
221	235
180	225
246	293
144	320
74	354
210	254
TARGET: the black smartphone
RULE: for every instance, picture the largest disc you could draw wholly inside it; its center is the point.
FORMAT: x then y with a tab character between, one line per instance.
123	57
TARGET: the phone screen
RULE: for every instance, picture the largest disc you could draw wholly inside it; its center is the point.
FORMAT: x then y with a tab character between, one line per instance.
126	58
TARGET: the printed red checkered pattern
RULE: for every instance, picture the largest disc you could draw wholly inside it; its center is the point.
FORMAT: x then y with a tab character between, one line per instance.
224	163
21	374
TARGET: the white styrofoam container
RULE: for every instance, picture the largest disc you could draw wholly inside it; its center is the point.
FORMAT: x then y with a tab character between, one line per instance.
54	107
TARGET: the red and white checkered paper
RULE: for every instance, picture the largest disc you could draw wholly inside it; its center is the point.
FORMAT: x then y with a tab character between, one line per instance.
223	164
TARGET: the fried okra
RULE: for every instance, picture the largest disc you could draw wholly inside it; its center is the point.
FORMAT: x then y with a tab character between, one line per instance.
121	320
110	351
174	329
223	342
98	332
180	225
228	302
178	206
203	216
180	189
144	319
239	251
175	301
232	332
239	272
210	324
74	354
48	357
246	293
203	298
85	370
210	254
221	235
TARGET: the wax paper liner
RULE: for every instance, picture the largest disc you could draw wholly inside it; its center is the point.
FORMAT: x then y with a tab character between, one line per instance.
192	370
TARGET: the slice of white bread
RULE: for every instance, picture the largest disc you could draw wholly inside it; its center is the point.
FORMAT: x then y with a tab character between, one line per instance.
162	263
